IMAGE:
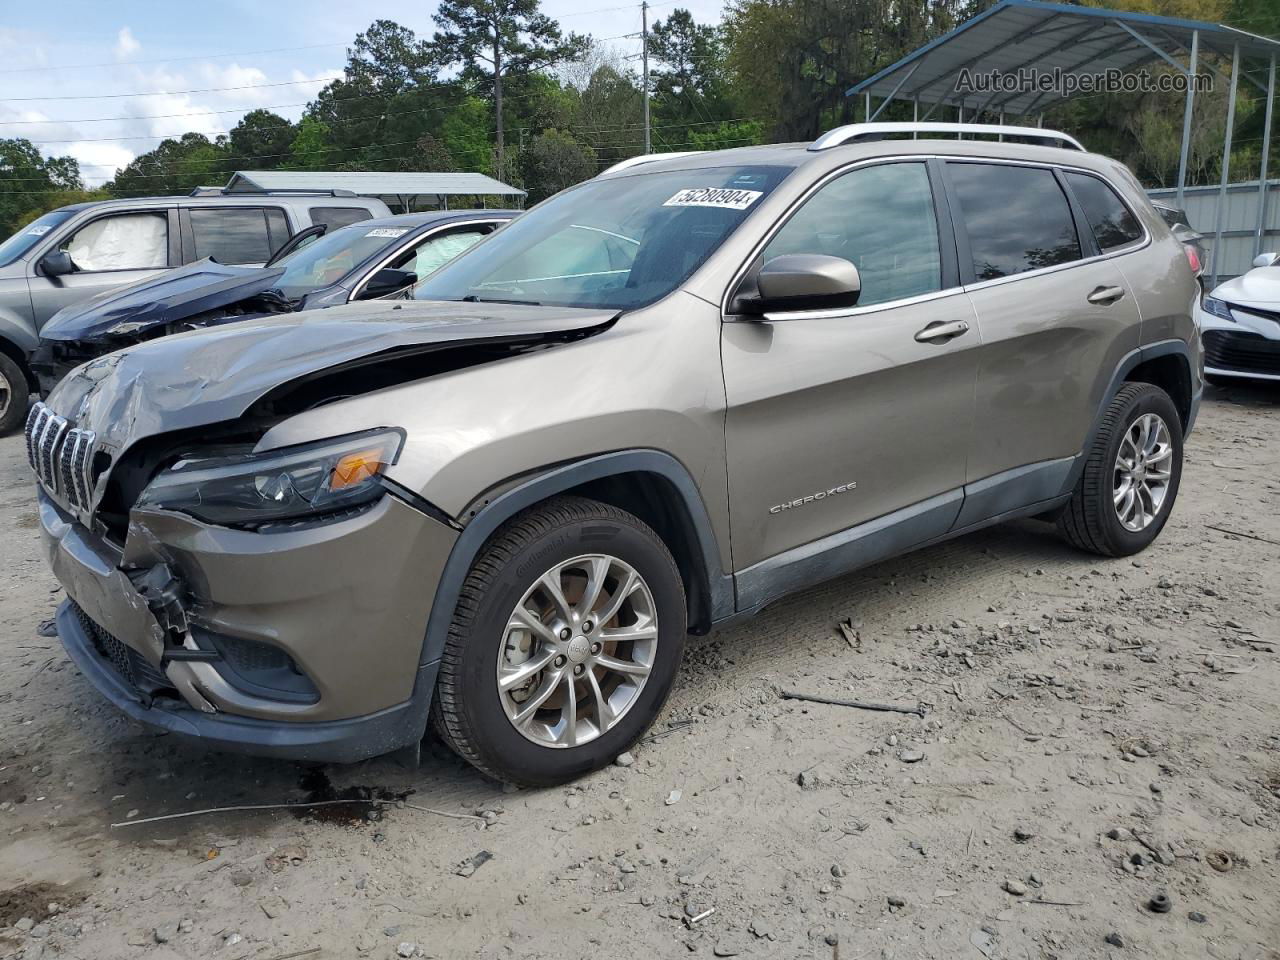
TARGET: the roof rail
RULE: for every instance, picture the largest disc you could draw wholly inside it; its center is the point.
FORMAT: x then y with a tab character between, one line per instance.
278	192
877	131
630	162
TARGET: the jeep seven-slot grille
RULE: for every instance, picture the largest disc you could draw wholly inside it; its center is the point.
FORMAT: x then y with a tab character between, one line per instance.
61	456
132	666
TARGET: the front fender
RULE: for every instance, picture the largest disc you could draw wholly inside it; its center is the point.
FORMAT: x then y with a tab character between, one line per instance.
18	330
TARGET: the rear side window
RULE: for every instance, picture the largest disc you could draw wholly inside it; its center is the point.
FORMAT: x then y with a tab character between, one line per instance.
1017	218
881	219
334	217
231	234
1113	224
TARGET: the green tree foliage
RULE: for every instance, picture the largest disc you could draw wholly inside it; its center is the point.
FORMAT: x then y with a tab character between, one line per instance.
493	39
310	149
175	167
500	74
554	160
260	141
688	78
31	183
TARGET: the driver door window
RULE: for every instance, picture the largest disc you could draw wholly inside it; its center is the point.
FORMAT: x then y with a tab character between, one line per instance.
131	241
880	218
434	252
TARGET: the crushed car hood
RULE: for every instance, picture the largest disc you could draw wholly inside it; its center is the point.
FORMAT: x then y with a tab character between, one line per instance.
1259	287
157	301
212	375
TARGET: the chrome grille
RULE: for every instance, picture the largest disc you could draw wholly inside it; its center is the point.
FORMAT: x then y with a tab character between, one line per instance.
61	456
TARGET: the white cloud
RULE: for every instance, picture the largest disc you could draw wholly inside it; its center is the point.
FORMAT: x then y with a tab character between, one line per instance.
126	44
99	161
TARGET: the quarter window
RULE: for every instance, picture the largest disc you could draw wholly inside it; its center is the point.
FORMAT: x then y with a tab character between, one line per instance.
1017	218
1114	226
334	217
231	235
880	218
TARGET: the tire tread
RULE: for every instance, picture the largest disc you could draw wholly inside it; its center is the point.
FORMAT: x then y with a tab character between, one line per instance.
447	715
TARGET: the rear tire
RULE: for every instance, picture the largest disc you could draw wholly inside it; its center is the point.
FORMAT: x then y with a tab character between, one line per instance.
1121	503
15	395
538	689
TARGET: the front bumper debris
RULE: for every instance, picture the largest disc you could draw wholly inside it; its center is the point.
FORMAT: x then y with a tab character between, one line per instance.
161	627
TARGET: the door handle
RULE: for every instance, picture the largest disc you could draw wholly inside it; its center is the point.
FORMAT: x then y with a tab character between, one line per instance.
941	332
1105	295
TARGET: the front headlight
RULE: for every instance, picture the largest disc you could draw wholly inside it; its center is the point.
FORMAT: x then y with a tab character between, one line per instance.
1218	308
255	488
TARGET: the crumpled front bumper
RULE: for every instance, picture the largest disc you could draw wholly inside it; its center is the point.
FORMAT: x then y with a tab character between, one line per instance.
348	602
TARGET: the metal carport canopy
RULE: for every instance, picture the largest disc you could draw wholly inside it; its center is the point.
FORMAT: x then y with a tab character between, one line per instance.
370	184
1022	34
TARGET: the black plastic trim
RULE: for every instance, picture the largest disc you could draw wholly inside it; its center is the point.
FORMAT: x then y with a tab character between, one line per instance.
339	741
847	550
557	480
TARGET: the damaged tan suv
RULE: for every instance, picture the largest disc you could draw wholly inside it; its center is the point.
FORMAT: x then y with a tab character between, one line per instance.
656	402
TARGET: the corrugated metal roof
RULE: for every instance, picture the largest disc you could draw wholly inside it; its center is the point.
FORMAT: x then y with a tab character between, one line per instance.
370	184
1019	35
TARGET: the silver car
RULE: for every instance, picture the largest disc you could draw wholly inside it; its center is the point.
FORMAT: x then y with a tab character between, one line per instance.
653	404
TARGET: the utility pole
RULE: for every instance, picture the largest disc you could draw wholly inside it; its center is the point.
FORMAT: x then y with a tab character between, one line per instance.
644	39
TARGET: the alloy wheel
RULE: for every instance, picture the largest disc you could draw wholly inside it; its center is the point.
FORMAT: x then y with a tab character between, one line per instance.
577	651
6	394
1143	471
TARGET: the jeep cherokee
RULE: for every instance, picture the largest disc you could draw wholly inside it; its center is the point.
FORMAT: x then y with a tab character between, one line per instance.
658	401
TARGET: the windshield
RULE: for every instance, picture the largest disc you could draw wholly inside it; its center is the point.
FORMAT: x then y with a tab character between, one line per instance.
325	261
26	238
616	243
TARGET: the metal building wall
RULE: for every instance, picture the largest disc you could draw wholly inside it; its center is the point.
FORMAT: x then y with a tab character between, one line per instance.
1239	225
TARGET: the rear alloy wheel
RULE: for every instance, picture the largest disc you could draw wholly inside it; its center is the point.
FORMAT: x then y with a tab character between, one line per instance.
1131	474
14	395
566	640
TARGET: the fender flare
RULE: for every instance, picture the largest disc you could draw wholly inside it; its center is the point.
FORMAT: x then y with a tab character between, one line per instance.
1126	365
557	480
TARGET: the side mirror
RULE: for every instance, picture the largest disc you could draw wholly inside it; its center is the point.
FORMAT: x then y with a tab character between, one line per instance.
1265	259
57	264
804	281
385	282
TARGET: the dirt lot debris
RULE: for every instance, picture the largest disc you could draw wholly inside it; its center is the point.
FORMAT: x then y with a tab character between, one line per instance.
918	709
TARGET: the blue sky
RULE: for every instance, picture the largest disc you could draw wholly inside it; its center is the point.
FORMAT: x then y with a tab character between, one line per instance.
62	66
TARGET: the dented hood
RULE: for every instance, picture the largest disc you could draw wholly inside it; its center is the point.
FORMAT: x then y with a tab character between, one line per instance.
158	301
215	374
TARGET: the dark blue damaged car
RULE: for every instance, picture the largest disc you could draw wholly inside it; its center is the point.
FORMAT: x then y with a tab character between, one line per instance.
368	260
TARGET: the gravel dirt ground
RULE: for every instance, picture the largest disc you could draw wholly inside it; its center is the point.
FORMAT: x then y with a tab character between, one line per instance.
1097	732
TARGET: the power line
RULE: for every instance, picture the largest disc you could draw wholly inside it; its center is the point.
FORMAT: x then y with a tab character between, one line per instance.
198	56
167	93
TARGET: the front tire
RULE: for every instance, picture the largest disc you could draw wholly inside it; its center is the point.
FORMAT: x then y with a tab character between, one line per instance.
564	645
14	395
1131	475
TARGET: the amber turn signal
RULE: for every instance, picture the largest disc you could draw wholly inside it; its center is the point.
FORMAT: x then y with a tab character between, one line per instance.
355	468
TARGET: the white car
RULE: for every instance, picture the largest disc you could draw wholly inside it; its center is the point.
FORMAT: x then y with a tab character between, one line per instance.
1240	325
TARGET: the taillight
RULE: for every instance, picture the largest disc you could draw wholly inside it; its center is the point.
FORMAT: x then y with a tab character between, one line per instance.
1193	258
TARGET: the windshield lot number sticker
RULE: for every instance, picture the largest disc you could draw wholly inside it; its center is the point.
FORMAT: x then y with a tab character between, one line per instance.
724	197
389	232
38	231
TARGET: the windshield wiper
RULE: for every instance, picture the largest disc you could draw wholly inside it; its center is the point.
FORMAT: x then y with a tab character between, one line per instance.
472	298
